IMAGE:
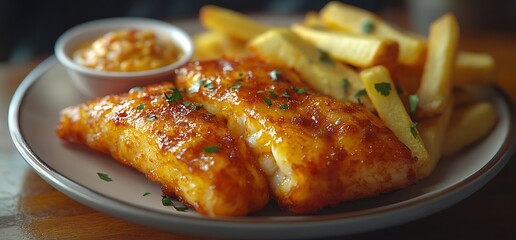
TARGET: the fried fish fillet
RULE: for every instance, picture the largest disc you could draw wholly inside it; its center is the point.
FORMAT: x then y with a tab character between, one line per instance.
175	143
315	151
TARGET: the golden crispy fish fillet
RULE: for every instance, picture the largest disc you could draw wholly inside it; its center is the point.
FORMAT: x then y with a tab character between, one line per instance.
316	151
175	143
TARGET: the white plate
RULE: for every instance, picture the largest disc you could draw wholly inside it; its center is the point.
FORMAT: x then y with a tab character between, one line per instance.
33	116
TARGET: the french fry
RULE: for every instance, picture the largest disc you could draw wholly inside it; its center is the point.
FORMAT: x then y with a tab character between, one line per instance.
284	48
430	68
435	89
433	133
383	95
356	50
348	18
470	124
229	22
211	45
473	68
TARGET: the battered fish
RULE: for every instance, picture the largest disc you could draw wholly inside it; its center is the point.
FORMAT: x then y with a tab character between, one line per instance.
315	151
175	143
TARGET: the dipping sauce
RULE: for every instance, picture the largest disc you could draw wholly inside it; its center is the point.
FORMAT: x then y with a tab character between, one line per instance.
127	50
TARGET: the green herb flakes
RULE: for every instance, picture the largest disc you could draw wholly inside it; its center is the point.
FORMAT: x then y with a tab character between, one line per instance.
152	117
145	194
236	86
413	130
273	94
167	201
367	26
104	177
260	91
135	89
196	106
175	96
141	106
267	101
300	91
195	88
383	88
345	84
274	75
284	106
211	149
180	209
325	58
208	85
413	102
286	93
360	93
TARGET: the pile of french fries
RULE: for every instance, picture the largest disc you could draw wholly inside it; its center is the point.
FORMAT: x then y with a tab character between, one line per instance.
425	89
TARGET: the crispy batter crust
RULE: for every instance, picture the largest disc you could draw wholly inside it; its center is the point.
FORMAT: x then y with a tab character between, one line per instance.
316	151
166	142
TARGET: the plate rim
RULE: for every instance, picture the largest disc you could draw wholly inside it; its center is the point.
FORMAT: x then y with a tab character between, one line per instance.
278	226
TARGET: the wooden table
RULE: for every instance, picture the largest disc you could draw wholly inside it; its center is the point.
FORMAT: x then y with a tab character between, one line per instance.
30	208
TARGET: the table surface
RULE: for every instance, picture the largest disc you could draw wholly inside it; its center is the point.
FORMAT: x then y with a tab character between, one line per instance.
32	209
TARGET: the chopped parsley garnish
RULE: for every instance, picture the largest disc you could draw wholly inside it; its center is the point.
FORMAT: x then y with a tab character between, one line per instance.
325	58
267	101
286	93
359	94
195	88
300	91
152	117
174	97
141	106
236	86
239	79
104	177
260	91
284	106
167	201
145	194
187	103
135	89
367	26
274	75
196	106
383	88
413	130
208	85
413	102
180	209
273	94
211	149
345	84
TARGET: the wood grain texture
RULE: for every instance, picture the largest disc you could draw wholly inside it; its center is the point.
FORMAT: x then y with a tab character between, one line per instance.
46	213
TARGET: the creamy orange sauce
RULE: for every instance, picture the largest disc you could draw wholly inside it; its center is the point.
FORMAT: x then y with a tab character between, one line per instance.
127	50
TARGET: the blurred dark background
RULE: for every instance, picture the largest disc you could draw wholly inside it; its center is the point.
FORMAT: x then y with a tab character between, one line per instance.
29	28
